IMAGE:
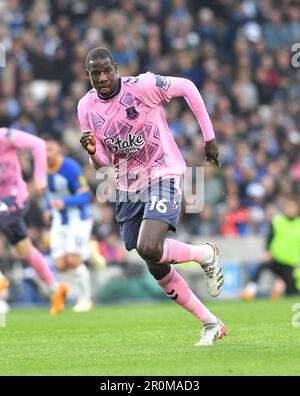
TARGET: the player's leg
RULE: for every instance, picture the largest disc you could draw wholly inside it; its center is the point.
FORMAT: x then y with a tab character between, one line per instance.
57	291
285	273
24	250
4	227
16	233
251	289
58	242
149	241
15	229
4	283
148	237
174	252
77	248
61	263
207	255
284	281
150	246
278	289
58	300
82	278
164	204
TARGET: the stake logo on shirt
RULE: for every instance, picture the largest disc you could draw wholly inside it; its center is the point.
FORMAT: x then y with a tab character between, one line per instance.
130	145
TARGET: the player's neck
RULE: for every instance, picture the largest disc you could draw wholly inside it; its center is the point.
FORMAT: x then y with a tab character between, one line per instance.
114	93
55	167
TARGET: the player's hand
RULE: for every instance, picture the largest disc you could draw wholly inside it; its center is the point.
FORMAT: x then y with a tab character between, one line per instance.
88	142
40	186
58	204
212	152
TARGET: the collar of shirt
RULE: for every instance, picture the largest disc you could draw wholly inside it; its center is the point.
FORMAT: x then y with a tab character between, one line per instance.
115	93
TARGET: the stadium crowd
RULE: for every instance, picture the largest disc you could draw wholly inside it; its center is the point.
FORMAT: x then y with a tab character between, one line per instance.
238	53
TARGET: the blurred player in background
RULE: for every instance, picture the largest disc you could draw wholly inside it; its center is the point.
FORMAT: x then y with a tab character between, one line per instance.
13	206
69	202
282	257
4	283
123	118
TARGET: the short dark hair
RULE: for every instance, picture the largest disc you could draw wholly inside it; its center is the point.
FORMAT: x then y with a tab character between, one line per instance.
98	53
47	137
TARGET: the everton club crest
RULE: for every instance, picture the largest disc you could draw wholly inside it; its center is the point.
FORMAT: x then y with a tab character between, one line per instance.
132	113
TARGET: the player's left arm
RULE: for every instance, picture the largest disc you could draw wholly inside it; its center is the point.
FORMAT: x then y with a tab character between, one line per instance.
21	140
171	87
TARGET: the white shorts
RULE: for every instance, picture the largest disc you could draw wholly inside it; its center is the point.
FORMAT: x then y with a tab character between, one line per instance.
71	238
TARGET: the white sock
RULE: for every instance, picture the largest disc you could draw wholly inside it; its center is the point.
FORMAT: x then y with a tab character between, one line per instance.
208	253
83	279
53	288
252	287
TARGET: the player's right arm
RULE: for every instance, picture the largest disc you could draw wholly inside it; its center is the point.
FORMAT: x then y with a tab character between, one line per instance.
97	153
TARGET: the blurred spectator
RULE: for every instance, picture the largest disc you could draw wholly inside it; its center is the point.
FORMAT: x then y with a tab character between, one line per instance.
276	32
234	219
282	254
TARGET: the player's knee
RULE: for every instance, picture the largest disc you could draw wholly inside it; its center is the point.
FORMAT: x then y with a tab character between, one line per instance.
73	261
154	269
22	249
150	251
60	264
158	271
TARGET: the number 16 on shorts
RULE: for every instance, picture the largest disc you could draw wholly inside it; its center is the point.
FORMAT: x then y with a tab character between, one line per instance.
159	205
163	209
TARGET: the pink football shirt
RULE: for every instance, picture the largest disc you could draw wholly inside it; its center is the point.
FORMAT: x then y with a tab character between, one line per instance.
12	184
131	128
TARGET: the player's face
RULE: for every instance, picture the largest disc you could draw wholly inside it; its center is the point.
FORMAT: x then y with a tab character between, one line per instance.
103	76
53	151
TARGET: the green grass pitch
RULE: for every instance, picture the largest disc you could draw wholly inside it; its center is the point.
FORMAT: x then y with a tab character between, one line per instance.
151	339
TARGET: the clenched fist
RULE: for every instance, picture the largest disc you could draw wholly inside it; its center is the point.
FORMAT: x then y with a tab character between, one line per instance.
212	152
88	142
